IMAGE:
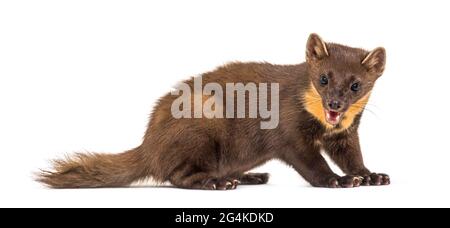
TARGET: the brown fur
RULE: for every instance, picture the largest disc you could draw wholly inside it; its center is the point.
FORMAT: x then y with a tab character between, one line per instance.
217	153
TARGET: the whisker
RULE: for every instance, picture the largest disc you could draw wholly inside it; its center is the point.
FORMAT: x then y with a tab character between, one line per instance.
311	103
367	109
371	104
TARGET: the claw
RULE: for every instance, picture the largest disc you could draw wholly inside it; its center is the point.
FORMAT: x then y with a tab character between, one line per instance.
376	179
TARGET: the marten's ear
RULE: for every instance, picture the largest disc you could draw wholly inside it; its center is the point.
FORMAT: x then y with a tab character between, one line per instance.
316	48
374	61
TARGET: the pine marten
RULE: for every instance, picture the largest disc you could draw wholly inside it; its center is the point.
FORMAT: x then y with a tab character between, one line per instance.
320	104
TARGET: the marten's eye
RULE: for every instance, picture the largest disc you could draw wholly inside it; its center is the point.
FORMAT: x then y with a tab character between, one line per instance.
323	79
355	87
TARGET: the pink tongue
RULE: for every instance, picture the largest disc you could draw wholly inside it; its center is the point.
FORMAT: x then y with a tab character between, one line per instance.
334	115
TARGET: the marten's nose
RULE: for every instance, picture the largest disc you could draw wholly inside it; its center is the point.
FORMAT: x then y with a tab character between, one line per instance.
334	105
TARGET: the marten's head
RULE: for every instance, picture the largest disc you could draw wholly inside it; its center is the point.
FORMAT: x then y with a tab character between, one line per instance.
341	80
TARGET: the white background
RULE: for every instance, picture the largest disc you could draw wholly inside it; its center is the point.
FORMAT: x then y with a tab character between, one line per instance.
84	75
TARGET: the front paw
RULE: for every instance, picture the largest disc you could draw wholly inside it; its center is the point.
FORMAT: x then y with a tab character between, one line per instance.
376	179
348	181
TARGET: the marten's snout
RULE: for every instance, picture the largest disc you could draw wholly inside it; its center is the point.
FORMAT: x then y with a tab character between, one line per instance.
334	111
335	105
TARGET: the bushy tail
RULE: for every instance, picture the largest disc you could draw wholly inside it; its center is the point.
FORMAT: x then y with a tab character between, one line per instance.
94	170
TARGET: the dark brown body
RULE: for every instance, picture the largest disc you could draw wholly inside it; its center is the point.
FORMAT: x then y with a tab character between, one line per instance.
217	153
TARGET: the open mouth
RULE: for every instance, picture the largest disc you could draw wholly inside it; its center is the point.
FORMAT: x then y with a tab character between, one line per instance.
333	117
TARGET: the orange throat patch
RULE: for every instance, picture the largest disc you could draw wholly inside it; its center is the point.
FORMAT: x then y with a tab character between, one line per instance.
313	104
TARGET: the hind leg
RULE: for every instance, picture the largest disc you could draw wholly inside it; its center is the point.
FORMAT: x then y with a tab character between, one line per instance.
254	178
203	181
191	175
227	183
